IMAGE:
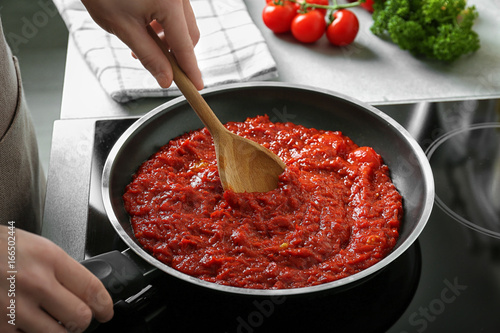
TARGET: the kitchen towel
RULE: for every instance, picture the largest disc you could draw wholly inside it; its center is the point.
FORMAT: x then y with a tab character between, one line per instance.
231	49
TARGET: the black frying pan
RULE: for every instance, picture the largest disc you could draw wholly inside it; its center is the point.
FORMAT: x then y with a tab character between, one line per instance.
126	273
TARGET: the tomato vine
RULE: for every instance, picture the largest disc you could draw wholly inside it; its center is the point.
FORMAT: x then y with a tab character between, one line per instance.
308	20
305	6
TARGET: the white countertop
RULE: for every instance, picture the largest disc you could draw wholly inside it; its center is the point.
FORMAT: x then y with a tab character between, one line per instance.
371	69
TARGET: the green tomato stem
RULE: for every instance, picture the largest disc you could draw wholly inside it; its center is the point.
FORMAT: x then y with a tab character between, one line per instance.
335	6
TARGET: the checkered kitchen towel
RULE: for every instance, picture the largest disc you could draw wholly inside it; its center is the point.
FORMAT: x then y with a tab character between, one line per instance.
231	49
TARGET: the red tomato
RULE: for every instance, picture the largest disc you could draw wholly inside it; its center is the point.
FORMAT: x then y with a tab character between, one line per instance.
308	27
368	5
320	2
344	28
278	18
296	5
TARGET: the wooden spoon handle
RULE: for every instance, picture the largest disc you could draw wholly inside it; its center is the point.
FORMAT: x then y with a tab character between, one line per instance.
188	89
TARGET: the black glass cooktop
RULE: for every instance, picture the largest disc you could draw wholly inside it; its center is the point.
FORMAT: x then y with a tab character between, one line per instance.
448	281
373	306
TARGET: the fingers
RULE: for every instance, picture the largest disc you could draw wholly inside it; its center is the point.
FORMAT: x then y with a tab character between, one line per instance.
181	36
128	21
191	22
85	295
150	55
33	319
177	27
54	293
74	314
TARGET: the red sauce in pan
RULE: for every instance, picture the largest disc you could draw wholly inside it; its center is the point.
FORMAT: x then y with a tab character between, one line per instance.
334	213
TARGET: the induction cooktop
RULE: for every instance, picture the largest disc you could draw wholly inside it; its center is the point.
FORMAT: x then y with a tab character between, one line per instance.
448	281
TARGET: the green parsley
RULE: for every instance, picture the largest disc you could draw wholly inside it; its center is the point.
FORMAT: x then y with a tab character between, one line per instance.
437	29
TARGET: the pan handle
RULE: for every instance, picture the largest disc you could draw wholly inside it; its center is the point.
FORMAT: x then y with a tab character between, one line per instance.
123	274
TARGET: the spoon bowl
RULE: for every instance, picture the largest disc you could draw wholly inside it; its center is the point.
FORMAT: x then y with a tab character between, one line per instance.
246	166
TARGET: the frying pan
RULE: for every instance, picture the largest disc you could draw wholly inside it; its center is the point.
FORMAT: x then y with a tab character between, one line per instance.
125	273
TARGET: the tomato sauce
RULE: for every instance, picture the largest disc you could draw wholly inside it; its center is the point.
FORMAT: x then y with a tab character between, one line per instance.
335	211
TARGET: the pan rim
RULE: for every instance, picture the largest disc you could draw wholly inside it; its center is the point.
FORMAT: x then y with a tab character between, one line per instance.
347	281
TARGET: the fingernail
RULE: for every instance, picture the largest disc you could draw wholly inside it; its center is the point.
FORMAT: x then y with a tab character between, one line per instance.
163	80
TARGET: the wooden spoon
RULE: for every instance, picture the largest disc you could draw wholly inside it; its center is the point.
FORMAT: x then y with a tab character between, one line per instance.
244	165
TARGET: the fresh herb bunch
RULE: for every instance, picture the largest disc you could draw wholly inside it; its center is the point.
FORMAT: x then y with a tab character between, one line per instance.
438	29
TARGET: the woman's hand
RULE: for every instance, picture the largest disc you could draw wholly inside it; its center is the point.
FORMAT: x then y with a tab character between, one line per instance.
128	20
51	291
